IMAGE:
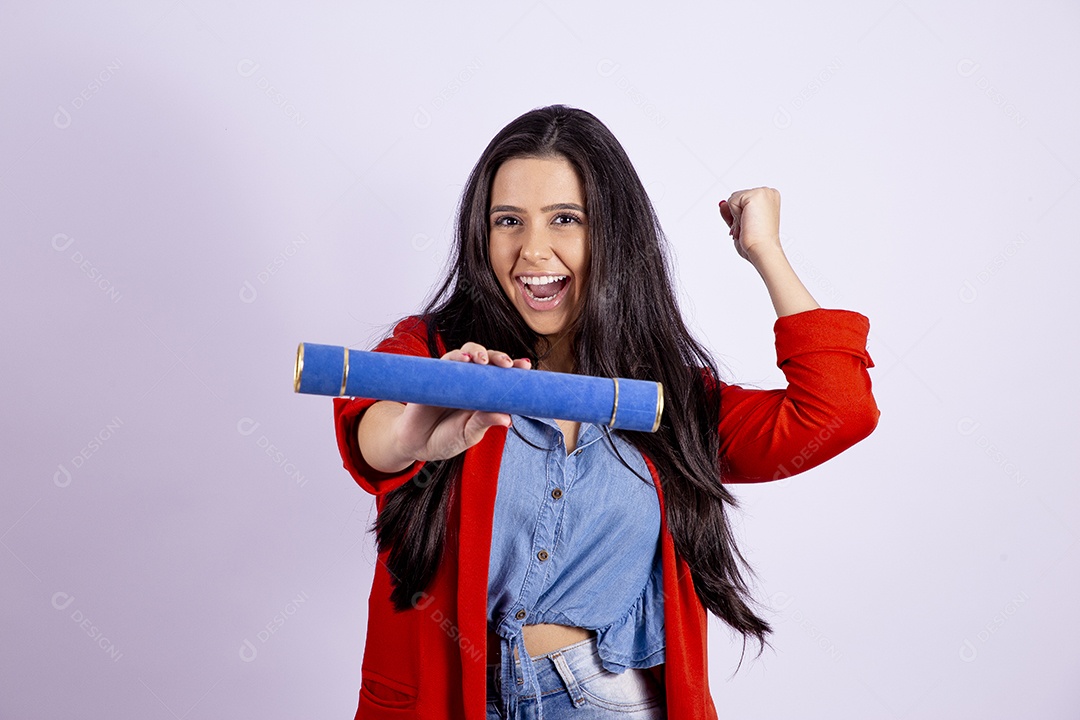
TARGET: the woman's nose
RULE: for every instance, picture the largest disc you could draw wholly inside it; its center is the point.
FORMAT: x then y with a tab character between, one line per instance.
536	244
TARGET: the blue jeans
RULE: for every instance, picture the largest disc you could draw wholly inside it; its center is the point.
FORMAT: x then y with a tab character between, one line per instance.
574	684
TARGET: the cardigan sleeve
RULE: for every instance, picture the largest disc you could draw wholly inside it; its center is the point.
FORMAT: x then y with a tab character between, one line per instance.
826	408
409	338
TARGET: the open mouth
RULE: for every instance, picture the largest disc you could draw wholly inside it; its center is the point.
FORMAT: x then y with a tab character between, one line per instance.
543	291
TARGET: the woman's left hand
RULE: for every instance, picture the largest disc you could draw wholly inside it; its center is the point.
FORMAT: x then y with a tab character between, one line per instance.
754	219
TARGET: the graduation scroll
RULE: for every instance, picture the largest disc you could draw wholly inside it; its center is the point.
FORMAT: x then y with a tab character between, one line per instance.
619	403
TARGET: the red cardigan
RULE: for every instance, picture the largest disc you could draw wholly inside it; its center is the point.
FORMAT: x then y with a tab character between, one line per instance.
429	661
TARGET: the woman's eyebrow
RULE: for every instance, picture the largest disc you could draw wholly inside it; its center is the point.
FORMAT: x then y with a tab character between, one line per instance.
549	208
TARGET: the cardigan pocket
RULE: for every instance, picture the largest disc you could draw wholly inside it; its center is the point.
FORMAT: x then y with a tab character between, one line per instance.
380	693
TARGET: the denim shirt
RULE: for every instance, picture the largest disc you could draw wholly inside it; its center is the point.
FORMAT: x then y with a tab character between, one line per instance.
575	541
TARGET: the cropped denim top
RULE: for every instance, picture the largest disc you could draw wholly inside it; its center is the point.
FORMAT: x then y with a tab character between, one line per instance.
575	541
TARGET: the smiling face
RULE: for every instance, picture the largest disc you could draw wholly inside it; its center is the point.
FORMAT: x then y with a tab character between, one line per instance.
538	239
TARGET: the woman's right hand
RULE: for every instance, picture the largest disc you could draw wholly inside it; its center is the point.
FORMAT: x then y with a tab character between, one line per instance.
426	432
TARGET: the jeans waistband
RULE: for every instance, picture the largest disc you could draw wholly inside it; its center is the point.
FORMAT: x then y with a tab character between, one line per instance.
582	659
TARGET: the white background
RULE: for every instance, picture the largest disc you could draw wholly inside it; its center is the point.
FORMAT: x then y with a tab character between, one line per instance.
188	190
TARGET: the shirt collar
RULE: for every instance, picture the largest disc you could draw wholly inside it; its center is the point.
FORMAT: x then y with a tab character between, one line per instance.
544	431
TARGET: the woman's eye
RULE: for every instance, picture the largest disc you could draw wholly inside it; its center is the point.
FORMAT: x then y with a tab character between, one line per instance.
562	219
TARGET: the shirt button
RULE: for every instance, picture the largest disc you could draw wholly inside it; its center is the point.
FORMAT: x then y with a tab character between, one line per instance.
577	452
556	493
520	615
542	555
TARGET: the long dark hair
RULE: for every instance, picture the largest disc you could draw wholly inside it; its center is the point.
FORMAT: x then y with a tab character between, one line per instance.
629	326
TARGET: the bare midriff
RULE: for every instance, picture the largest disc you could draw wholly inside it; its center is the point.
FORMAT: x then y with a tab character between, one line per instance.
540	639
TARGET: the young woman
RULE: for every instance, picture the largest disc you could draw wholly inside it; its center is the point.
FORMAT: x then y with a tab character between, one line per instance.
554	569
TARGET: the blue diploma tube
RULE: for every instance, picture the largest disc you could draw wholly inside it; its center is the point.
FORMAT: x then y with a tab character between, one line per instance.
619	403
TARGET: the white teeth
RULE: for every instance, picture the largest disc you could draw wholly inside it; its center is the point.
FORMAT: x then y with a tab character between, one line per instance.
542	280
